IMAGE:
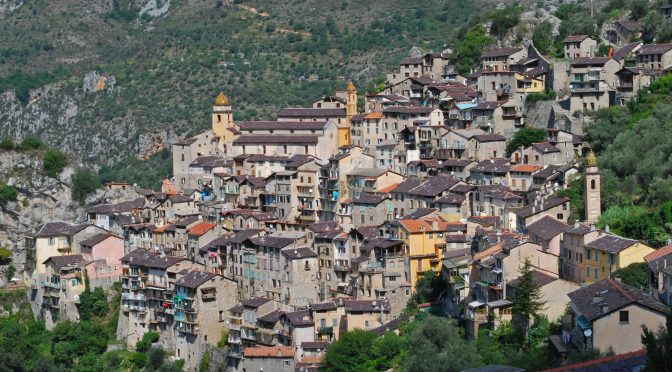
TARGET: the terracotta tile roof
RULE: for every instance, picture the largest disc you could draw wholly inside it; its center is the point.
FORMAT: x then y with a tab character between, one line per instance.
388	189
660	252
374	115
633	361
201	228
414	226
269	352
488	252
524	168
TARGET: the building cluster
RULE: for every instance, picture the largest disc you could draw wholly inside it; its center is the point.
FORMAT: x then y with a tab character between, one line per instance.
276	237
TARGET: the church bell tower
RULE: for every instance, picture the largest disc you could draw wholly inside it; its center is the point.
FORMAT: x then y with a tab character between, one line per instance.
350	111
592	189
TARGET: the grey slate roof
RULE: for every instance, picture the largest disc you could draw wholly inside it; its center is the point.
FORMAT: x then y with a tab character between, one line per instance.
255	302
66	261
497	165
123	207
59	229
547	228
311	112
501	52
299	318
254	139
193	279
591	300
407	185
281	125
369	199
530	210
374	306
162	262
539	277
272	241
434	186
408	110
298	253
90	242
545	147
611	243
322	306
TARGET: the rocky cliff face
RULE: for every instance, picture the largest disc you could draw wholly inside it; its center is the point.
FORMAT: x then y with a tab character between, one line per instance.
41	199
71	119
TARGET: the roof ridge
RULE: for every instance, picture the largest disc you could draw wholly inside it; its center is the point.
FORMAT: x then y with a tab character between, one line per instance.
620	289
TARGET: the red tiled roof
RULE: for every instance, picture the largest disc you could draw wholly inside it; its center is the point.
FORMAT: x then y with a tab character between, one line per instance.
660	252
595	362
269	352
523	168
201	228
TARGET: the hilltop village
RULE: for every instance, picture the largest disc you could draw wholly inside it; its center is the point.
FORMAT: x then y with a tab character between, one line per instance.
282	235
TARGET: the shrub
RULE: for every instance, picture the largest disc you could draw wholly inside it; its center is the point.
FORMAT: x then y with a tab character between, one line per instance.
31	142
7	193
54	161
7	144
84	183
548	95
147	340
5	256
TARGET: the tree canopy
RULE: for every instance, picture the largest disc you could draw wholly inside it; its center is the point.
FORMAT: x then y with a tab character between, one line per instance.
524	137
658	344
636	275
527	298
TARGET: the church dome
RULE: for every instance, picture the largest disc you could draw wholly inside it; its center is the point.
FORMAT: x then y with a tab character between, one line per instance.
222	100
591	159
350	88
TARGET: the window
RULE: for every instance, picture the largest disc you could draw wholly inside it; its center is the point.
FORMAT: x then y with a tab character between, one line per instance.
51	241
624	316
592	184
587	271
596	272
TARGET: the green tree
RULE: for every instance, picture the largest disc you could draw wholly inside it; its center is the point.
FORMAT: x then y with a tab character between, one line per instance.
523	138
84	183
5	256
204	366
469	49
658	346
156	356
542	36
352	351
527	299
636	275
388	352
53	162
93	304
7	193
639	9
436	345
70	341
146	342
504	20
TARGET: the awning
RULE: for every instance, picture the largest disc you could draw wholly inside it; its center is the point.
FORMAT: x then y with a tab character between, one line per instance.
475	304
499	303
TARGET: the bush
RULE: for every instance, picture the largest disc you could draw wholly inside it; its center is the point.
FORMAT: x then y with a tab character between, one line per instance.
7	144
31	142
5	256
547	95
53	162
147	340
9	273
84	183
7	193
204	366
523	138
505	20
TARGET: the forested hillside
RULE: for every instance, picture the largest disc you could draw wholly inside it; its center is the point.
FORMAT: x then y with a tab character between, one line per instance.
161	68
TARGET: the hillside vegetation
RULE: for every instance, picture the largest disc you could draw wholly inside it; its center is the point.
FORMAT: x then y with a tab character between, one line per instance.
167	69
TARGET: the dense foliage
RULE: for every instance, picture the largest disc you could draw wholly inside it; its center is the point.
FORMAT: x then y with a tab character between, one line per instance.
658	344
84	183
636	274
523	138
53	162
7	193
5	256
635	160
527	299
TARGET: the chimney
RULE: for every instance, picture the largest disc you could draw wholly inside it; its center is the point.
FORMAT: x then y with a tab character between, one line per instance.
597	298
664	263
604	308
592	227
606	229
576	224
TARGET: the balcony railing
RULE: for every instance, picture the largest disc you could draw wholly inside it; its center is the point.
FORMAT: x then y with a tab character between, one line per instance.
325	330
341	267
133	297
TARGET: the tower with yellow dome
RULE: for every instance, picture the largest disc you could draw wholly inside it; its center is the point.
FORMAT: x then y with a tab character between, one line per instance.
592	189
350	111
222	122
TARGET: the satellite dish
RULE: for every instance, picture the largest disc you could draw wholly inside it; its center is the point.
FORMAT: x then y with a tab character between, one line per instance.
588	332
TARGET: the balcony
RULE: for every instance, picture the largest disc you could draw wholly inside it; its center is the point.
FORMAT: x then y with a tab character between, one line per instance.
237	354
325	330
338	267
133	297
233	339
234	323
152	283
51	285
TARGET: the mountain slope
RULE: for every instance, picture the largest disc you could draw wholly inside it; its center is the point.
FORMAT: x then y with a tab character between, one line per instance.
163	71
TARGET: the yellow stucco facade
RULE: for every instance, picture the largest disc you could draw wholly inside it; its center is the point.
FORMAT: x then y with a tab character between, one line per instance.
601	266
425	241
